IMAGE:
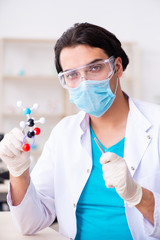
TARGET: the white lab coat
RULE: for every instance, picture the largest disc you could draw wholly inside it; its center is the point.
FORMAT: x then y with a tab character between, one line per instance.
65	165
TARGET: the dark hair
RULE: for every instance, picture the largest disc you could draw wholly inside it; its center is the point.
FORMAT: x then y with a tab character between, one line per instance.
92	35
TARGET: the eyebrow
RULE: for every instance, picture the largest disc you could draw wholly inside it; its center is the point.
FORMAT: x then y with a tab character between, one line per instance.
94	61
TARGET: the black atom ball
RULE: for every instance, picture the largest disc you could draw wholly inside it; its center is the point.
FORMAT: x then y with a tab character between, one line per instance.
30	134
31	122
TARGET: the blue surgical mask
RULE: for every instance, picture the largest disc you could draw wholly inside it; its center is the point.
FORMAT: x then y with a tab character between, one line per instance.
93	97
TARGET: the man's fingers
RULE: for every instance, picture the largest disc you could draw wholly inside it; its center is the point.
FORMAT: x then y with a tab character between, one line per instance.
18	134
108	157
5	151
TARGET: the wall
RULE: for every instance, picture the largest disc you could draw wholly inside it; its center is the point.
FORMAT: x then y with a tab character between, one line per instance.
137	20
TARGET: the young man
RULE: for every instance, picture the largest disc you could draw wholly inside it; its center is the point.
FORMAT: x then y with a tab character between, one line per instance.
100	169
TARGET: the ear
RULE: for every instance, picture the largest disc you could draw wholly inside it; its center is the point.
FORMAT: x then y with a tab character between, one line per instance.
118	67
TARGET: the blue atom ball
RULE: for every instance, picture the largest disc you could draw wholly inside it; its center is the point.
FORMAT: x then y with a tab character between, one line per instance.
26	111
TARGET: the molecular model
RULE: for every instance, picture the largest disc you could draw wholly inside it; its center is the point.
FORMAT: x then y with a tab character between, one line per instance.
33	130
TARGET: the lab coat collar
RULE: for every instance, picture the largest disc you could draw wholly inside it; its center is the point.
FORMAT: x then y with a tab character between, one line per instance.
137	117
85	132
134	114
84	121
137	137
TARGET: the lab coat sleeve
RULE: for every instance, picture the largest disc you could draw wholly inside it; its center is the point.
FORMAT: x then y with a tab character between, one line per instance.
150	229
37	209
31	215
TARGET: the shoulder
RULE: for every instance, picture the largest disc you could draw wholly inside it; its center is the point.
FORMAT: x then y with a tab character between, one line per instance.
70	123
72	120
150	110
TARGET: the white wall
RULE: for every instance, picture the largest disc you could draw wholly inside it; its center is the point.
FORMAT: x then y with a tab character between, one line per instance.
129	20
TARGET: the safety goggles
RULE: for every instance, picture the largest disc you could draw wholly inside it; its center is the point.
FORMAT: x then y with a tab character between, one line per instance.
97	71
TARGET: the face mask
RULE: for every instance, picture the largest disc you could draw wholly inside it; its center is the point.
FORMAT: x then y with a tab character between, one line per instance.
93	97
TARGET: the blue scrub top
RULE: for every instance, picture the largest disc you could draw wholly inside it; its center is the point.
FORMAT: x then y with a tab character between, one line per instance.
100	210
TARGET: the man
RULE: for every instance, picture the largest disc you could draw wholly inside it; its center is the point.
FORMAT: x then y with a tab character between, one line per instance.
114	195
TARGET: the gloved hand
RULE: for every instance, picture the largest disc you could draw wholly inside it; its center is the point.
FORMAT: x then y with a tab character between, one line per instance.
116	174
12	154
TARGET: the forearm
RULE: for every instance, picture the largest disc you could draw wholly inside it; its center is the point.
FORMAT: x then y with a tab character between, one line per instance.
19	186
147	204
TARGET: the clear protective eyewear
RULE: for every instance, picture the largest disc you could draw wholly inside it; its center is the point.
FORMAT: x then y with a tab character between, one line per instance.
97	71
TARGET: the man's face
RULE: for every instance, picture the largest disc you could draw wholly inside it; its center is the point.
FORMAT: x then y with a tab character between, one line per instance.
80	55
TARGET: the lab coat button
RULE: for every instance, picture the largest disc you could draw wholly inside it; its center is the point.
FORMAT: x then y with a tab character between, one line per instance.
88	170
74	205
149	137
132	168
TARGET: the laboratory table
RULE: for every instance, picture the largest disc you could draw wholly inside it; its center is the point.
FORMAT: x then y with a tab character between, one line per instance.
8	231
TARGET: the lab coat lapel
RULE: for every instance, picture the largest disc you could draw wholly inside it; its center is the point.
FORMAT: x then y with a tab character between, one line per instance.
84	159
137	137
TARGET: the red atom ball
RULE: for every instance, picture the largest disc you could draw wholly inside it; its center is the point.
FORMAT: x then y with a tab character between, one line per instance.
26	147
37	131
